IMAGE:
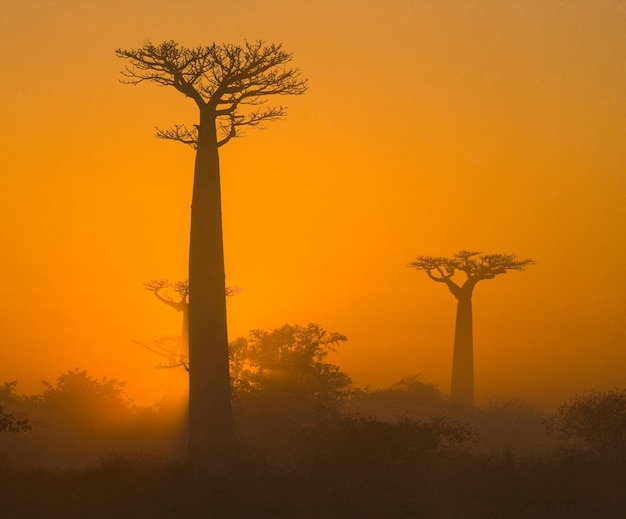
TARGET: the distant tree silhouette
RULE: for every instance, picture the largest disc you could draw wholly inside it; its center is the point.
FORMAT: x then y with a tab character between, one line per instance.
176	296
229	85
410	397
78	420
476	267
8	422
176	351
593	424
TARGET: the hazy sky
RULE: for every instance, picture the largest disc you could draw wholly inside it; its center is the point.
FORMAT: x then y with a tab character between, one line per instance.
429	126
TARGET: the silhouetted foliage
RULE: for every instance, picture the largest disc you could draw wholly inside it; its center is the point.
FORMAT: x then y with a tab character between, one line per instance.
283	384
343	466
593	424
410	397
8	422
399	441
512	426
293	358
80	419
352	485
79	395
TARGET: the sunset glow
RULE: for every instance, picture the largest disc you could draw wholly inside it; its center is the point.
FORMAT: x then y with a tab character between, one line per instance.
428	127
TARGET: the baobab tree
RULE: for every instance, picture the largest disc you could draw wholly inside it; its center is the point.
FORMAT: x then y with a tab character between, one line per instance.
176	296
229	85
476	267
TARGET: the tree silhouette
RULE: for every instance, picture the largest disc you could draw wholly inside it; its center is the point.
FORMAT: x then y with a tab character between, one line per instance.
289	364
229	84
284	386
8	422
476	267
593	424
176	351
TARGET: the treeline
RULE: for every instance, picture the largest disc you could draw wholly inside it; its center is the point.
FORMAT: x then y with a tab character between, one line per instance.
310	445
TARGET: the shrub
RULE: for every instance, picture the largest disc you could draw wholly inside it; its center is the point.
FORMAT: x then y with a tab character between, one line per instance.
593	424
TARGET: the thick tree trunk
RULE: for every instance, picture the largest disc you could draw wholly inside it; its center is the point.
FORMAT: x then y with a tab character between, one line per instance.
210	412
184	335
462	390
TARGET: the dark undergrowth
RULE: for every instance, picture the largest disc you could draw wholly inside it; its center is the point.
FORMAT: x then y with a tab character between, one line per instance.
84	451
360	480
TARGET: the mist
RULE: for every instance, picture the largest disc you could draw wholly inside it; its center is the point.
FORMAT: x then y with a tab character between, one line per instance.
410	146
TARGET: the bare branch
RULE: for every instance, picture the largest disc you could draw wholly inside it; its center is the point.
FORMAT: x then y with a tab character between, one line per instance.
156	284
182	288
180	133
169	348
154	348
443	266
169	65
159	289
228	130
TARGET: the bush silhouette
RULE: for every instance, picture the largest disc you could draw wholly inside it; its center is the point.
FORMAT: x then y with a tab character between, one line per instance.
593	424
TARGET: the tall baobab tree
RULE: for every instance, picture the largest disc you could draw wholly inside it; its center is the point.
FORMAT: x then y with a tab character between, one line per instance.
476	267
229	85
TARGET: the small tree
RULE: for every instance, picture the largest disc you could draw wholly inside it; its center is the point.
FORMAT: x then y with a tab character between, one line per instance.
229	85
476	267
290	362
284	385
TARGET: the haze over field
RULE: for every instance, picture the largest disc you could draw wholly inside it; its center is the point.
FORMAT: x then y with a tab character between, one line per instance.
428	127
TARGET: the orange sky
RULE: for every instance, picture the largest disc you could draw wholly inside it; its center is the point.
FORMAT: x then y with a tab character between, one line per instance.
429	126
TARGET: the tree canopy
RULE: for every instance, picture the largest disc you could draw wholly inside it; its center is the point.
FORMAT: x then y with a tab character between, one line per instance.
290	363
230	80
474	264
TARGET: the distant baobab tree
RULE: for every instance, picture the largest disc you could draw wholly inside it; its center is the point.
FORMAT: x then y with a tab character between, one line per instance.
476	267
176	296
174	348
229	85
